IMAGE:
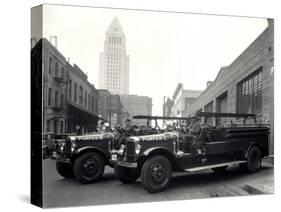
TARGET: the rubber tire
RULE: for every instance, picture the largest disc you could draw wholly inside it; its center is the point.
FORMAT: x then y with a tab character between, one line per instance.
78	171
250	167
126	175
146	177
219	170
64	170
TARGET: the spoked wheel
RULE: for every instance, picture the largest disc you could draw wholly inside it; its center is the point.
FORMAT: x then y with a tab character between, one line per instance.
88	167
254	160
156	174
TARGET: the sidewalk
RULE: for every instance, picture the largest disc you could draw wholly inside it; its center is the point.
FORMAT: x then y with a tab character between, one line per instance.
263	185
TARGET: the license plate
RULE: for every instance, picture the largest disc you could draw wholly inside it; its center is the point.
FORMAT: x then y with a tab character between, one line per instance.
114	157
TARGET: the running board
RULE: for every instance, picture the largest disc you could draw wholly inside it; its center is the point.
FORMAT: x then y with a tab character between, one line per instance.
215	165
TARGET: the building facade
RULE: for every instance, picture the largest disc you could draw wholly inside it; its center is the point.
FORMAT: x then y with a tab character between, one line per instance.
104	104
82	102
54	88
114	62
110	107
182	99
167	107
246	85
137	105
69	100
116	108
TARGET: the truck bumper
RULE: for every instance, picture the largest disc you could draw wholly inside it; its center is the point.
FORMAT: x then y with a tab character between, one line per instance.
127	164
63	160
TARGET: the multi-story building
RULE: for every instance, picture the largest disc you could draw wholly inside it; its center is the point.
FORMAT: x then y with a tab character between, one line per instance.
137	105
182	99
246	85
110	107
82	101
114	62
104	104
116	110
167	107
54	88
69	100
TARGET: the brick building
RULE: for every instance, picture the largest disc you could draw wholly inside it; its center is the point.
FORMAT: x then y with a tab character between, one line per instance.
69	100
82	101
246	85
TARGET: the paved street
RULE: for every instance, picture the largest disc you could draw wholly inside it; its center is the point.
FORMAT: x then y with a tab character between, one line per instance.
59	192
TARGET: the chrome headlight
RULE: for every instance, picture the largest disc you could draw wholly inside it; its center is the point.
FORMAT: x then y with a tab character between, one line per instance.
138	149
60	146
73	146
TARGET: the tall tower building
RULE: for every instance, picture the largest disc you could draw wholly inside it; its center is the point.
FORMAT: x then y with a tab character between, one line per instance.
114	62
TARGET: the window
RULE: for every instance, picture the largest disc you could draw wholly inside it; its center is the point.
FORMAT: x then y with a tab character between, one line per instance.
48	125
249	93
70	89
81	95
89	101
61	100
56	98
93	102
86	95
57	70
55	126
50	65
62	72
61	127
96	105
50	96
209	107
75	92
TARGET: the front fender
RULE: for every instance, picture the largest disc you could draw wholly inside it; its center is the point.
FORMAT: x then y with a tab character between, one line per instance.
157	151
149	151
80	151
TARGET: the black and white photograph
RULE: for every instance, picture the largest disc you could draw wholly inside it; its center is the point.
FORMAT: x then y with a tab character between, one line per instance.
133	106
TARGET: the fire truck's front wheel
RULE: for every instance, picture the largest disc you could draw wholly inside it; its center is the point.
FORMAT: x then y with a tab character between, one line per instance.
156	174
88	167
126	175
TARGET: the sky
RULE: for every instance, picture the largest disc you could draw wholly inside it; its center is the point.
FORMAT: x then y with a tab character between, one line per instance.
164	48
